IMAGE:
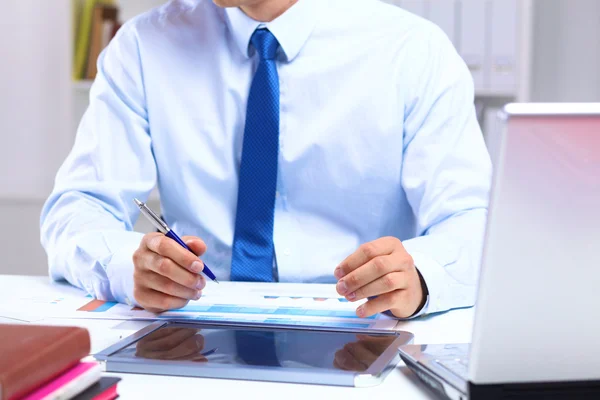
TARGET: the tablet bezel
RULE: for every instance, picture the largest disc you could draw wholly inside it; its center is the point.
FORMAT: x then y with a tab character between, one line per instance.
374	375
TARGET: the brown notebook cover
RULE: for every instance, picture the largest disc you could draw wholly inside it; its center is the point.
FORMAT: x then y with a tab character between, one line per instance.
31	355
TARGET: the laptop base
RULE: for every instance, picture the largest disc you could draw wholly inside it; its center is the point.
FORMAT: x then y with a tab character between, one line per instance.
547	391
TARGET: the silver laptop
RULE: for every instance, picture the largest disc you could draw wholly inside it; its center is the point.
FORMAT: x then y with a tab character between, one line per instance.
537	319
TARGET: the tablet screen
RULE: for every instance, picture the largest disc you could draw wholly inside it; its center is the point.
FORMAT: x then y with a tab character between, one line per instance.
260	347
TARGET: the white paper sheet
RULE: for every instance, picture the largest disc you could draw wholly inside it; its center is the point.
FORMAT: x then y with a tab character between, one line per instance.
314	305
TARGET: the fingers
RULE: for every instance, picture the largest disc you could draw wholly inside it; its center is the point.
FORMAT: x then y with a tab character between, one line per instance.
396	300
173	337
376	344
362	354
196	245
367	273
164	285
168	248
346	361
385	284
169	269
158	334
166	275
188	347
157	302
380	247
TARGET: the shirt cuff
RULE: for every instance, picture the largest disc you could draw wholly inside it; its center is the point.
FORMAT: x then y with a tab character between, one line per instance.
433	274
120	269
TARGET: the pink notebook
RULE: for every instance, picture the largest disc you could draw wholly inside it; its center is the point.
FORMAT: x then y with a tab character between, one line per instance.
70	383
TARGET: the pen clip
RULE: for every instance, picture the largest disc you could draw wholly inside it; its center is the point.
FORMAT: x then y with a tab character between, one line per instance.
154	219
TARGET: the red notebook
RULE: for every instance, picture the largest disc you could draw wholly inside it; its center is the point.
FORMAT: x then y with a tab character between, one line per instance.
32	356
69	384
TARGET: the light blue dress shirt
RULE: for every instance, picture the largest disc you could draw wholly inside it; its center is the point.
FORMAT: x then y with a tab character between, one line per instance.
378	138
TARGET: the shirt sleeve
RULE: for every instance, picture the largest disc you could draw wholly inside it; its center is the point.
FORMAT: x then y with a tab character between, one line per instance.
446	175
87	222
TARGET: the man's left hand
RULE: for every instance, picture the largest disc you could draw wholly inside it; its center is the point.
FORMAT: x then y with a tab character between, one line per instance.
384	269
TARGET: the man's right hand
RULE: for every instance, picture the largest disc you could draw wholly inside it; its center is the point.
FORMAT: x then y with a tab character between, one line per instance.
166	276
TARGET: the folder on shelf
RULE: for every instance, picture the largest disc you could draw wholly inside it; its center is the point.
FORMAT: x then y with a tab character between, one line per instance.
82	38
84	11
105	23
472	39
443	14
492	131
503	50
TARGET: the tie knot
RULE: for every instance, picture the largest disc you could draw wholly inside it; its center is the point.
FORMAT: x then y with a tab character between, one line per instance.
265	44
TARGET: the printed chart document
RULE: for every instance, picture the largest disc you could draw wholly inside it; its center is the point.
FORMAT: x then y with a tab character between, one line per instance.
312	305
289	304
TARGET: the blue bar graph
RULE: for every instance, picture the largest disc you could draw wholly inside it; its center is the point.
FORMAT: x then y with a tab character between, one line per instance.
192	308
105	307
292	311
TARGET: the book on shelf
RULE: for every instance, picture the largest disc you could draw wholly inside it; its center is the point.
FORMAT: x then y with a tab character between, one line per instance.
97	22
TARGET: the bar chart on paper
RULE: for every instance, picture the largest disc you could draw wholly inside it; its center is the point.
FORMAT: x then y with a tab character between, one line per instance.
286	304
311	305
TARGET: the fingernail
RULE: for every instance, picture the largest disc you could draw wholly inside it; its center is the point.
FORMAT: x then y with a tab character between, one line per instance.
338	273
360	311
198	295
351	296
342	287
201	284
197	266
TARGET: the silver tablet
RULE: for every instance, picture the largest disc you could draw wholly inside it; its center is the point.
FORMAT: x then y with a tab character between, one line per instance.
262	353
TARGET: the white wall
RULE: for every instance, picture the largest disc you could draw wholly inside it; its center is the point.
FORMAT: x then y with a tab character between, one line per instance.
34	106
34	121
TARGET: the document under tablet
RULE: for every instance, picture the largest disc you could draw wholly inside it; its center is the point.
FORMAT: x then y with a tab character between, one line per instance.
258	353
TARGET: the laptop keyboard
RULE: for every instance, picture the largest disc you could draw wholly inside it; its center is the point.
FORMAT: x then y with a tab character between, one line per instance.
454	358
458	366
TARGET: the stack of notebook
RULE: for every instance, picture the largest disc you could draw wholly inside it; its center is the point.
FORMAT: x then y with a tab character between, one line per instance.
45	362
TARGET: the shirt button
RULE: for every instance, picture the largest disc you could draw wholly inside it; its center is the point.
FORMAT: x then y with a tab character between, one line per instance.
287	252
277	194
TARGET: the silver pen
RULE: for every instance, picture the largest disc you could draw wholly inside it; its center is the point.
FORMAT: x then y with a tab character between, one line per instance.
164	229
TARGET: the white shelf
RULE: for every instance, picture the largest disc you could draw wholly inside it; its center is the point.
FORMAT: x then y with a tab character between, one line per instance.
494	93
83	85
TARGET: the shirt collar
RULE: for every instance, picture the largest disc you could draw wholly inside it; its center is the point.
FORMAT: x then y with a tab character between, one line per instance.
292	29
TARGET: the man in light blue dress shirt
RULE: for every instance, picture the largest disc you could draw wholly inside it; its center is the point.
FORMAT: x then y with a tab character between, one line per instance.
382	176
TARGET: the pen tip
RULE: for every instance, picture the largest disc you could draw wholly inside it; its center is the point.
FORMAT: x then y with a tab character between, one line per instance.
216	280
137	202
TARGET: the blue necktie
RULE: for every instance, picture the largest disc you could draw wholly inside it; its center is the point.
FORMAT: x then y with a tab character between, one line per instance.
252	255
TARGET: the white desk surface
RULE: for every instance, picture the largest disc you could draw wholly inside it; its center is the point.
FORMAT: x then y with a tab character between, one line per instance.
452	327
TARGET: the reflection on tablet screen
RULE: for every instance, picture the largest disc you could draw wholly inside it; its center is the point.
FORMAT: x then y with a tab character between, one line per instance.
265	348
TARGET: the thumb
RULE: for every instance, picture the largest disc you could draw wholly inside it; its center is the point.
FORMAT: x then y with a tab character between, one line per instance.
195	244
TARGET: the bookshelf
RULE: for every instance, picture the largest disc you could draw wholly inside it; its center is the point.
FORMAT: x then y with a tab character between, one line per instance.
127	9
489	34
494	37
80	87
